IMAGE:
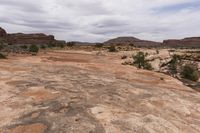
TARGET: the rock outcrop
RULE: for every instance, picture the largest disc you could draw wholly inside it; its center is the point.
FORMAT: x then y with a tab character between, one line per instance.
131	41
20	38
2	33
76	92
25	39
192	42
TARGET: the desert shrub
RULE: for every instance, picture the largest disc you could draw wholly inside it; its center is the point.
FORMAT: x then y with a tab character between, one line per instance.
33	48
173	64
124	57
1	46
51	45
112	49
141	62
190	72
2	56
157	51
24	47
99	45
61	45
43	47
70	44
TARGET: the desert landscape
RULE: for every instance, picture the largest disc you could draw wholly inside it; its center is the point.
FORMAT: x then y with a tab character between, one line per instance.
50	86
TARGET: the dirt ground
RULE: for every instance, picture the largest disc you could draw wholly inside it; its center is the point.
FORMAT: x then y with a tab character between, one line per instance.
86	92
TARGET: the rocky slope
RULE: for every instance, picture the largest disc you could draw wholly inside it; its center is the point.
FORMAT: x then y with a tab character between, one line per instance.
131	41
192	42
81	92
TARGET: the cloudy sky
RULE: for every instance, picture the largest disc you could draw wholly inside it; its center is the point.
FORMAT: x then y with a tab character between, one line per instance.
99	20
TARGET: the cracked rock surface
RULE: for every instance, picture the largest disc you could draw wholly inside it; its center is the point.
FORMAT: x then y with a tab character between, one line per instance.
80	92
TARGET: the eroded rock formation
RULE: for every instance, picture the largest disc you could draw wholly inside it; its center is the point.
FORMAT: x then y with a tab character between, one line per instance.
24	39
192	42
2	33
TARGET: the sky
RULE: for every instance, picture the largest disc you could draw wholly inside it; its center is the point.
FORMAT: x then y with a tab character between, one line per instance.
100	20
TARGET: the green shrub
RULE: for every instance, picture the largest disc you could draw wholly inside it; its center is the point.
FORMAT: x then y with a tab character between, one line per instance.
176	59
112	49
33	48
2	46
141	62
190	72
157	51
51	45
2	56
24	47
70	44
124	57
43	47
61	45
99	45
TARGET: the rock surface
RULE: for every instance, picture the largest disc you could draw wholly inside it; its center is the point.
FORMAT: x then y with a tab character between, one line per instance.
2	33
80	92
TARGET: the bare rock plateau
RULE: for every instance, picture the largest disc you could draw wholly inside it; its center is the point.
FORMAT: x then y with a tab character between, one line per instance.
82	92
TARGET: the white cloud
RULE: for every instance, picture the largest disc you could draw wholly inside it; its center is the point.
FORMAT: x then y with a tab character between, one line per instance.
99	20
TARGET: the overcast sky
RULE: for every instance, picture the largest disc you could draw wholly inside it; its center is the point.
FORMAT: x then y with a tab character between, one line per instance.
99	20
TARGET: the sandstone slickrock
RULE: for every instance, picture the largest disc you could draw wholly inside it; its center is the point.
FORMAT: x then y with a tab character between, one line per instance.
80	92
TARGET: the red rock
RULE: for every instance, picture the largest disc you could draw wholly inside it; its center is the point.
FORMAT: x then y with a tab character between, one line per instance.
24	39
192	42
2	33
125	41
20	38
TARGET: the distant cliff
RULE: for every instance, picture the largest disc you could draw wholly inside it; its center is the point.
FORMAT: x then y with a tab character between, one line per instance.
131	41
25	39
192	42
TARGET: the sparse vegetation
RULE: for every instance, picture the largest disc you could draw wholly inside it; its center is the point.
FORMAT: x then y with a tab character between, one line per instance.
43	47
70	44
124	57
2	56
24	47
190	72
112	49
33	48
173	64
141	62
1	46
61	45
157	51
99	45
51	45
